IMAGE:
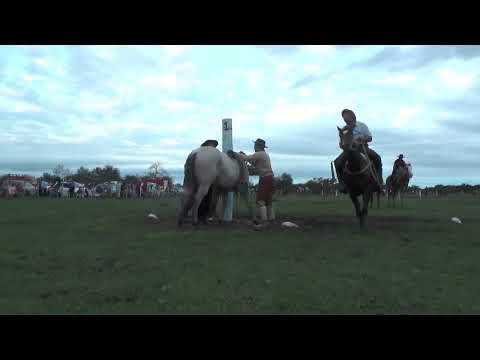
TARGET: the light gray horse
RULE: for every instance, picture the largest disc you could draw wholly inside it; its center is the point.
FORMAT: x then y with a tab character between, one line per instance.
206	167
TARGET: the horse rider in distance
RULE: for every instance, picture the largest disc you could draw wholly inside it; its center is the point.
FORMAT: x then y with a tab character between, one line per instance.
261	166
399	163
361	134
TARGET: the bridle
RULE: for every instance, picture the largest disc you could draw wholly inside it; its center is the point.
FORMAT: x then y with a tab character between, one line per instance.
360	172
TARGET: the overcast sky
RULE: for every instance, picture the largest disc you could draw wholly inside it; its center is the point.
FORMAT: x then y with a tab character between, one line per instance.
131	105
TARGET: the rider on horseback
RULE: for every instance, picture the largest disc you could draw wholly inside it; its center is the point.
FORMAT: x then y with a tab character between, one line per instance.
362	135
399	163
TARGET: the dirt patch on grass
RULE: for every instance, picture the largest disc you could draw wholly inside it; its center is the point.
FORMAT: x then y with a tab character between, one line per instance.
305	223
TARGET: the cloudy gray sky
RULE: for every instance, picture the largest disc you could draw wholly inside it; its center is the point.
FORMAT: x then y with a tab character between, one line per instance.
131	105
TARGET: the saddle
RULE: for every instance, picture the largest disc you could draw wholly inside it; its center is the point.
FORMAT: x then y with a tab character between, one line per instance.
368	167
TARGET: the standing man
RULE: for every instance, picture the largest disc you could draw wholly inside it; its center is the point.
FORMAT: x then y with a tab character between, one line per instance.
262	167
361	135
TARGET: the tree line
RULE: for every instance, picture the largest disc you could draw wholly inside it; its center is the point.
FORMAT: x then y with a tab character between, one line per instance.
284	185
99	175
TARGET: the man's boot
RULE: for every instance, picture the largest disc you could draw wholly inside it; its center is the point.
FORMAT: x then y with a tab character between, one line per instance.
270	214
341	186
262	211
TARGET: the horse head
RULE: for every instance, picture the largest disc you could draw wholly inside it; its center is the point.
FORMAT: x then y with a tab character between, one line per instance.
346	139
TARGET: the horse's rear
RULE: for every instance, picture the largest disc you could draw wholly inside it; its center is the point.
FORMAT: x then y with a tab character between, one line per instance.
206	167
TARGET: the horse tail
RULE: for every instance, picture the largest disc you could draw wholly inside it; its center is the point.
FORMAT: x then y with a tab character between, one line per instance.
190	183
190	180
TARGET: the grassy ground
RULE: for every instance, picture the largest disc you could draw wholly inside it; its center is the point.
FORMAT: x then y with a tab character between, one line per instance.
61	256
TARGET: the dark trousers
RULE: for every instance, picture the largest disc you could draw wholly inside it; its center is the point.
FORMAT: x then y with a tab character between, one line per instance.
342	158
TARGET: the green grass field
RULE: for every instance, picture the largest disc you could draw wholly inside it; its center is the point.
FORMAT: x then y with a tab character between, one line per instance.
104	257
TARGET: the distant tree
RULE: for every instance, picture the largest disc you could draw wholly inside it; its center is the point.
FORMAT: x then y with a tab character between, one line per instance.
50	178
284	183
61	171
83	175
156	170
130	179
107	173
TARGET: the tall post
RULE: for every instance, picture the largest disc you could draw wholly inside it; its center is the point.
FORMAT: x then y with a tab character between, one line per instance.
227	144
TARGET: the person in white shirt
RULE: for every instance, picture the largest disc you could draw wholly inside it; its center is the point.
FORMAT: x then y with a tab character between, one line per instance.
361	134
261	166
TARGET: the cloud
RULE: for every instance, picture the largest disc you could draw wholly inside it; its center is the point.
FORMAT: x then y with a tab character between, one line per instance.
406	115
41	61
30	77
280	49
305	81
253	80
6	91
393	57
175	50
287	112
471	126
131	105
320	49
455	79
163	82
396	79
10	104
176	105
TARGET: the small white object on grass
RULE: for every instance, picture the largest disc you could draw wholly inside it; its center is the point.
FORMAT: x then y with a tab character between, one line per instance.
289	224
456	220
152	216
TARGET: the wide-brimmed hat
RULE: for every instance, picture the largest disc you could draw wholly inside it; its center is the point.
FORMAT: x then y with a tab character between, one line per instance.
213	143
261	142
350	112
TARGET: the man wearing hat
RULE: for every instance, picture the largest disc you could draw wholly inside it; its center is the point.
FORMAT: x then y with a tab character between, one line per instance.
398	163
361	134
262	167
212	143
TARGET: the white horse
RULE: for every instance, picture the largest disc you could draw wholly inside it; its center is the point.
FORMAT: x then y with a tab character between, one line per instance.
206	167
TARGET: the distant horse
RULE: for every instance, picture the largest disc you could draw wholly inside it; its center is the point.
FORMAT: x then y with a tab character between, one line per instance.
358	175
398	184
207	167
371	200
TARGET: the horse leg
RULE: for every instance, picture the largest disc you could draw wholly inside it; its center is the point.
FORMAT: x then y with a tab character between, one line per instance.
364	212
357	206
378	200
186	204
201	192
224	206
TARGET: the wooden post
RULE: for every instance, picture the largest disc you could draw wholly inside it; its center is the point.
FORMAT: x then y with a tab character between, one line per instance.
227	144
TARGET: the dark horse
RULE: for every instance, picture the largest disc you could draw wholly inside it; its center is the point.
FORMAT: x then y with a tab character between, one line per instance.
371	200
359	176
